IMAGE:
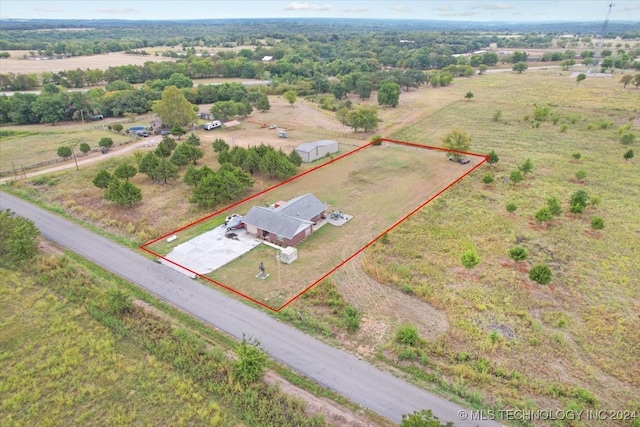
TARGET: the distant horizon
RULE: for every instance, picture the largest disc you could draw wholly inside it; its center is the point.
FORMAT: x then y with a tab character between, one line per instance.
464	11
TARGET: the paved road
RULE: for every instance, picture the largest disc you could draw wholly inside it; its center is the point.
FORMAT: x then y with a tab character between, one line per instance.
353	378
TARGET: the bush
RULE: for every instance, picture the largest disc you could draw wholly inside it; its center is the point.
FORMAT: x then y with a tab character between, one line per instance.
554	206
627	138
526	167
106	142
518	253
576	156
64	152
85	148
408	335
487	179
251	362
493	158
470	258
563	128
102	179
516	177
578	201
543	215
511	207
581	174
628	154
497	115
541	274
376	139
351	317
597	223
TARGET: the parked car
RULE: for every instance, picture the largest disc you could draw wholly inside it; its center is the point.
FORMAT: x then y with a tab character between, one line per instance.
213	125
235	223
142	133
164	132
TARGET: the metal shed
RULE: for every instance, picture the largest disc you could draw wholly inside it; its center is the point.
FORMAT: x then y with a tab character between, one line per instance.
311	151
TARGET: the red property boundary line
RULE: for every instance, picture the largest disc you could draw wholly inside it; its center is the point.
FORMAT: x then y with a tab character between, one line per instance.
145	248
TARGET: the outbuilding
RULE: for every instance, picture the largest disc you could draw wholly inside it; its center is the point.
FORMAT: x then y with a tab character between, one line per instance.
311	151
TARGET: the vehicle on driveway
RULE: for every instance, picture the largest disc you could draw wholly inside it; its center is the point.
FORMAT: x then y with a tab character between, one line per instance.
234	223
142	133
213	125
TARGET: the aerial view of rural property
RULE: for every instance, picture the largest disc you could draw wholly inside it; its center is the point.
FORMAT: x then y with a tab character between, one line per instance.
320	213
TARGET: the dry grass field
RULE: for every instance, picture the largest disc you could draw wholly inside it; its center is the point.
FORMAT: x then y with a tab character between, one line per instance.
491	335
20	62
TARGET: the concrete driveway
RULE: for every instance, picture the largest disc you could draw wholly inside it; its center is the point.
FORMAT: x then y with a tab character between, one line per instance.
211	250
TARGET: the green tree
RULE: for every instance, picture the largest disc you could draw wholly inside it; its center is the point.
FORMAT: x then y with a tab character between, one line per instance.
342	115
290	96
165	171
174	109
511	207
263	104
117	127
578	201
106	142
125	171
363	117
516	177
554	206
518	253
122	193
424	418
543	215
178	131
526	167
597	223
482	69
251	363
50	108
64	152
457	140
193	139
628	155
389	93
148	164
102	178
520	66
186	153
492	158
85	148
18	240
193	175
468	96
364	88
408	335
219	145
470	258
581	77
541	274
626	79
295	158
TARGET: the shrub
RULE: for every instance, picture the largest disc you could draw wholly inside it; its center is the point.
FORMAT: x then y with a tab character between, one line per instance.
541	274
581	174
576	156
251	362
470	258
117	127
487	179
628	154
554	206
543	215
518	253
578	201
526	167
563	128
102	179
408	335
516	177
493	158
64	152
511	207
627	138
497	115
85	148
376	139
351	317
597	223
106	142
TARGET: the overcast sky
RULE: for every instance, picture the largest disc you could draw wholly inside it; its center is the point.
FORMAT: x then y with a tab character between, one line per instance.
452	10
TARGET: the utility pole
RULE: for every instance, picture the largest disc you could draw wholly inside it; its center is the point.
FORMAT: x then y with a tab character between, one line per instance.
278	262
75	159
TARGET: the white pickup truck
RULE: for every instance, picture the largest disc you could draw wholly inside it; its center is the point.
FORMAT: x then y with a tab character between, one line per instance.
212	125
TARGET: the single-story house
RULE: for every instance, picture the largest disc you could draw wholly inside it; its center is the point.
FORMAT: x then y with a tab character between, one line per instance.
311	151
285	223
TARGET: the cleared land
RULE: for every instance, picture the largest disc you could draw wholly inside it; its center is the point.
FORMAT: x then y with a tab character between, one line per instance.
378	186
492	336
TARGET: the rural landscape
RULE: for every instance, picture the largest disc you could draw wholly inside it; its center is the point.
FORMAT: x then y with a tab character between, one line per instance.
499	272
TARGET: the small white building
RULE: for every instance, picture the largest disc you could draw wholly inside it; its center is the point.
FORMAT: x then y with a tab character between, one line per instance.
311	151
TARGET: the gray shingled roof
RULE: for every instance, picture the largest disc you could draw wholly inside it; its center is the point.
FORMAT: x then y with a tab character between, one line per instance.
302	207
307	147
274	222
288	219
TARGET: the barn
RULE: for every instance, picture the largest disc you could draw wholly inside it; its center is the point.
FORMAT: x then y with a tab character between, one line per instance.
311	151
285	223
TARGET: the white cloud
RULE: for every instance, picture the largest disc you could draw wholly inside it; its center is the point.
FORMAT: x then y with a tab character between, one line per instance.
494	6
46	9
443	8
123	11
455	14
631	8
400	8
357	10
308	6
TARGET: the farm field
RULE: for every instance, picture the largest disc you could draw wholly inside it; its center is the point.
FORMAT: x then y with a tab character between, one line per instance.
489	334
377	185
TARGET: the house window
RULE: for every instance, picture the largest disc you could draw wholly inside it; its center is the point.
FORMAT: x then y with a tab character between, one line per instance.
280	238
